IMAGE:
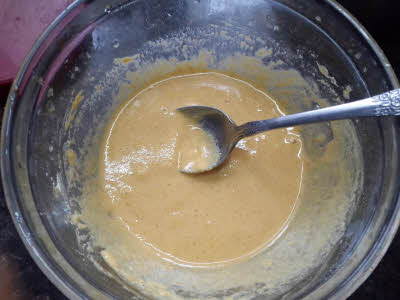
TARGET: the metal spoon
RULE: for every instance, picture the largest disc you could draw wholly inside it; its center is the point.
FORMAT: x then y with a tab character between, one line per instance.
226	133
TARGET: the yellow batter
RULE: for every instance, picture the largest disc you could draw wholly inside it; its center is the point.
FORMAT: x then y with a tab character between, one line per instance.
213	217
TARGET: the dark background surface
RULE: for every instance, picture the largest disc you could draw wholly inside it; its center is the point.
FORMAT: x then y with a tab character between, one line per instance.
20	278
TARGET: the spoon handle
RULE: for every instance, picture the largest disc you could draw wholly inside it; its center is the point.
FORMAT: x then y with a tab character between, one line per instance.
386	104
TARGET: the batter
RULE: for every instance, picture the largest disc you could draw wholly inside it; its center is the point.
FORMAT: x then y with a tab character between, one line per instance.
214	217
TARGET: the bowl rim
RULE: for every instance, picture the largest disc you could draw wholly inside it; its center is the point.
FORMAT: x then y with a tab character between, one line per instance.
357	277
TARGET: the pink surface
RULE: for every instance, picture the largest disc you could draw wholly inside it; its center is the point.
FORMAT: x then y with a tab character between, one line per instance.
21	23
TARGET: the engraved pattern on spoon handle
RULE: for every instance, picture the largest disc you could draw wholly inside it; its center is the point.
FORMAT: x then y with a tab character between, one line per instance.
389	103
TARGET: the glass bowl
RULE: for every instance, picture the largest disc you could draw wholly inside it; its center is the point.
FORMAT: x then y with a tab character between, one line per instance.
79	50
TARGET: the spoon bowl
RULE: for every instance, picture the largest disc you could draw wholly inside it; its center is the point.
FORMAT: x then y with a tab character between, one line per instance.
217	124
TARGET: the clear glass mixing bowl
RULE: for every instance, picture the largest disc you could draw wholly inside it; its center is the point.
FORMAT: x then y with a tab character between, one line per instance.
78	50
